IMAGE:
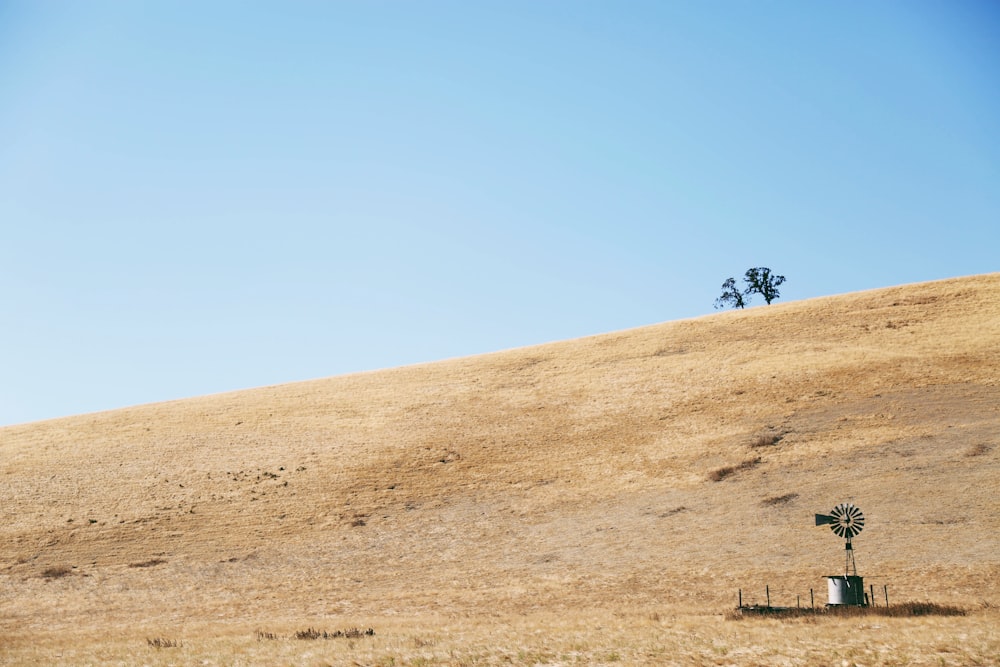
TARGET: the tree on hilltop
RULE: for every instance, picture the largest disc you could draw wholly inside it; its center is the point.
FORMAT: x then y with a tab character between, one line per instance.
763	282
759	280
732	296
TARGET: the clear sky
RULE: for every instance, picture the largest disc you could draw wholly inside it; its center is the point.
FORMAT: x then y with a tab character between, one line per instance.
199	197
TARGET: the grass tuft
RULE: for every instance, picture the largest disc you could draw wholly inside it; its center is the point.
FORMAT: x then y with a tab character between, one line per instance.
162	642
350	633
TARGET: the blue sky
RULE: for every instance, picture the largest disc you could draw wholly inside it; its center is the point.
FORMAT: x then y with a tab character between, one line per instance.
199	197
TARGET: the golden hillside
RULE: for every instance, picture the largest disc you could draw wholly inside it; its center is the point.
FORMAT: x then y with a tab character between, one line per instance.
538	482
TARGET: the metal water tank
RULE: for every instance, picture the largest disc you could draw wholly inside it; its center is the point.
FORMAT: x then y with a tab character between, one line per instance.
845	590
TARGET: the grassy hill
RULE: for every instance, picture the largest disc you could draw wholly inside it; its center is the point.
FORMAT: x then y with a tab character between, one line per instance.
583	500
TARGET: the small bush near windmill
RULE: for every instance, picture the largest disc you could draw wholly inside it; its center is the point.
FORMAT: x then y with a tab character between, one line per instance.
162	642
901	610
919	609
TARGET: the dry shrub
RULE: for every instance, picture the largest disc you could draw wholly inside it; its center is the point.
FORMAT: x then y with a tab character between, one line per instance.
919	609
720	474
673	511
57	572
780	500
310	633
978	450
766	439
148	563
162	642
350	633
901	610
261	636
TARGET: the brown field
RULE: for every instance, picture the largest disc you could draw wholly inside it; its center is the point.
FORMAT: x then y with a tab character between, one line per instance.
593	501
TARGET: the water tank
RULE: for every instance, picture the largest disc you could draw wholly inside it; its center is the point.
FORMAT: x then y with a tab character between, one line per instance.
845	590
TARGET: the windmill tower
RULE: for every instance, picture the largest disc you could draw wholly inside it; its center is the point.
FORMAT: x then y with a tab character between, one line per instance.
846	521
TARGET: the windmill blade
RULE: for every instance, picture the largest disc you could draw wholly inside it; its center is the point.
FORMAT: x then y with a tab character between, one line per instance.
855	528
824	519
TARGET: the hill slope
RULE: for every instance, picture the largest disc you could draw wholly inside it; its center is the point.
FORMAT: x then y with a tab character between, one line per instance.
574	474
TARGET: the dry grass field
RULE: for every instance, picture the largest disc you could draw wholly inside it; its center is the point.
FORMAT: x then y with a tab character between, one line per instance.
593	501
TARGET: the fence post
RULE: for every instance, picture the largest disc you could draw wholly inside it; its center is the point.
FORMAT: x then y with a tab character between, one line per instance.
871	589
812	600
767	589
741	599
885	588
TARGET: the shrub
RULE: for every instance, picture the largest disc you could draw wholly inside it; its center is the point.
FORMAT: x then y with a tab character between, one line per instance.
978	450
350	633
780	500
902	610
720	474
57	572
920	609
767	439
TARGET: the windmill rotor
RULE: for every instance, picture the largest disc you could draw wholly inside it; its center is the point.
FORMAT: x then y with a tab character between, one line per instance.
848	520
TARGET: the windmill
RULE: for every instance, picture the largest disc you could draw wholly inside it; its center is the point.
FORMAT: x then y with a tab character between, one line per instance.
846	521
